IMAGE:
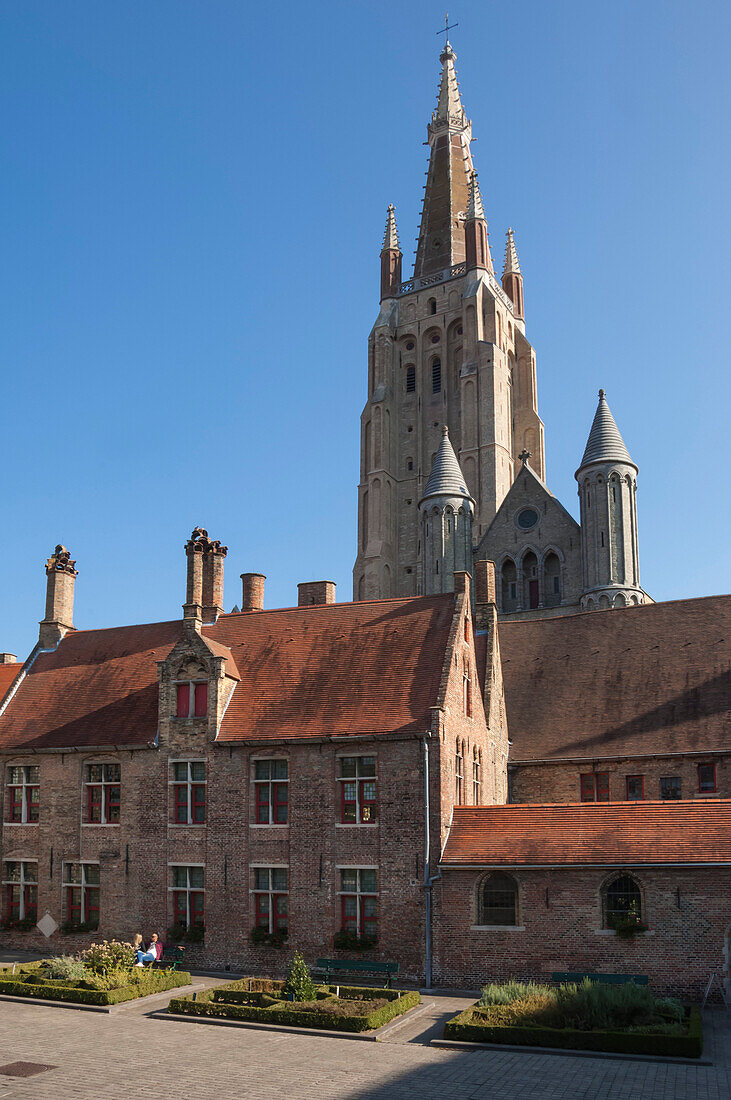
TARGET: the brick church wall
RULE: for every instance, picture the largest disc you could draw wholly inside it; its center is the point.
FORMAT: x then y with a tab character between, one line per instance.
561	782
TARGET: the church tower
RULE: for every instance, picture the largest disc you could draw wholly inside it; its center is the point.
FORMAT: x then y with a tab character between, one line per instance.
446	511
607	481
448	350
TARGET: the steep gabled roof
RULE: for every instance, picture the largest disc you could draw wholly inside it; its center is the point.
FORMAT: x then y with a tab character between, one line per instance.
335	669
605	444
8	674
612	834
633	681
446	477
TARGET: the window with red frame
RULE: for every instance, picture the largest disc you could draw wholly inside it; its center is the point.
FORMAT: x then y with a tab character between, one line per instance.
81	891
706	778
271	898
359	901
20	886
23	794
189	792
271	788
357	790
595	787
192	700
635	788
188	896
102	794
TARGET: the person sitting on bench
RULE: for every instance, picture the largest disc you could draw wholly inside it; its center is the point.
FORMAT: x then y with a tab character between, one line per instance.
153	953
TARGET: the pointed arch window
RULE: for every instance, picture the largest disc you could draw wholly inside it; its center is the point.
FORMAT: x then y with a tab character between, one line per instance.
459	773
410	379
499	901
432	305
436	376
622	901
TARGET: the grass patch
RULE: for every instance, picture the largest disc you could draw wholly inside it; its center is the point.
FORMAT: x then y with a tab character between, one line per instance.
587	1016
355	1009
29	981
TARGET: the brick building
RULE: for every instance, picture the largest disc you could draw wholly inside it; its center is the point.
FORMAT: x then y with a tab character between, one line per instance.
480	780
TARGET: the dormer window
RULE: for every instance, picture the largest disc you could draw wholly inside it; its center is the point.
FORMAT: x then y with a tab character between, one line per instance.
192	699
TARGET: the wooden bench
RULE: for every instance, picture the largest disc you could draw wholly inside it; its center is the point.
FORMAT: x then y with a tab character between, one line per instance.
357	966
604	979
171	959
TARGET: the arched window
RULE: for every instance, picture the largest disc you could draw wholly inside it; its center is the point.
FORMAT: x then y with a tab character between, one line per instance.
499	900
551	580
467	689
432	305
509	585
459	773
410	379
436	376
476	776
530	581
622	901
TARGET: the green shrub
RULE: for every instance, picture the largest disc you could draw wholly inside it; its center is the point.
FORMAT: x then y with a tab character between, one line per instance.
502	993
299	984
108	956
66	968
140	984
351	941
592	1006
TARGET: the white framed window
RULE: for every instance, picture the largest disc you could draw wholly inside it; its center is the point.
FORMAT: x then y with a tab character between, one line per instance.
359	900
271	784
188	783
459	773
102	789
188	894
271	898
81	889
357	779
476	777
20	890
23	784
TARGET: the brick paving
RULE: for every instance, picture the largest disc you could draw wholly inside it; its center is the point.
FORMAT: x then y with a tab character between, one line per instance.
129	1055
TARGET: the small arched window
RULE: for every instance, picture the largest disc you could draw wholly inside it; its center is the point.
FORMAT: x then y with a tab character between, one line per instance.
436	376
499	900
410	379
622	902
432	305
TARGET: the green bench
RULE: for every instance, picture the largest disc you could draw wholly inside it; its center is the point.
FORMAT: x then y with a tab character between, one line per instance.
171	959
605	979
357	966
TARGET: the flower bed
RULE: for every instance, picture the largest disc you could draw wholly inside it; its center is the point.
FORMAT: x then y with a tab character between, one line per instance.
623	1019
29	980
262	1001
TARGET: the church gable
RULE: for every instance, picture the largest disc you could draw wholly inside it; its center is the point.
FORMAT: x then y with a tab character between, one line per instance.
536	547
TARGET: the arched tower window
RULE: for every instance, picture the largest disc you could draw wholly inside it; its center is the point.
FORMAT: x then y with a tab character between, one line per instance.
410	378
530	581
436	376
499	900
622	902
551	580
509	586
432	304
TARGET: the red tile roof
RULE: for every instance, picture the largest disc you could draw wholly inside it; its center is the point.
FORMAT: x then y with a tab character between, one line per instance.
639	681
99	687
335	669
7	675
603	833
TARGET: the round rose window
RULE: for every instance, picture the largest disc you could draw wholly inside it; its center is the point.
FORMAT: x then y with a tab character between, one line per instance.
527	518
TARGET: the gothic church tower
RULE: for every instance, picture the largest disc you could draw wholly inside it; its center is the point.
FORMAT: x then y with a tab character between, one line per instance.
448	350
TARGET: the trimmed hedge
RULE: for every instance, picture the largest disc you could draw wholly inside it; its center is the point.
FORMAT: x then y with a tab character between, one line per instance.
210	1002
152	981
689	1045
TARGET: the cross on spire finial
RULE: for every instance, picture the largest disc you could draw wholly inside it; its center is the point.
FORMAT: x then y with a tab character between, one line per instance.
447	28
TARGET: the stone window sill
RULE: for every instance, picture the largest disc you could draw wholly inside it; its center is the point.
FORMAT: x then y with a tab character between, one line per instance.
611	932
21	824
497	928
356	824
269	825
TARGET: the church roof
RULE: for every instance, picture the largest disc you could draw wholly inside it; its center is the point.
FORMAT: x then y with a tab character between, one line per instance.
7	676
390	237
607	834
446	477
326	670
604	444
636	681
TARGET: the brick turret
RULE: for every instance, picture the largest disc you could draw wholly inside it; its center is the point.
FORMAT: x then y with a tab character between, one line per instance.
60	583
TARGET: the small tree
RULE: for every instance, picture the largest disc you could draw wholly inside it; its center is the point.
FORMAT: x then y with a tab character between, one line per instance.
299	984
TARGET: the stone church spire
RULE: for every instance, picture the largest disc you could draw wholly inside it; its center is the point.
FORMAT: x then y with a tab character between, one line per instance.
441	242
477	247
512	277
390	257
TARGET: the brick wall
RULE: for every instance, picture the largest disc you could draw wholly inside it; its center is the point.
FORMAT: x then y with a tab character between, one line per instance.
561	929
561	782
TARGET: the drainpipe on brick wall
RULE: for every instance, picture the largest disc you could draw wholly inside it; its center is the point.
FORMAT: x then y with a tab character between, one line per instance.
429	880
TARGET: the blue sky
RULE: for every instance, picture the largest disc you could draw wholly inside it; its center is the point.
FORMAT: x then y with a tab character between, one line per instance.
192	201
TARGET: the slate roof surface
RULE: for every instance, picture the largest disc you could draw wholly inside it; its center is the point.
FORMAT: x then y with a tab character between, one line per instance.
335	669
446	477
636	681
605	444
601	833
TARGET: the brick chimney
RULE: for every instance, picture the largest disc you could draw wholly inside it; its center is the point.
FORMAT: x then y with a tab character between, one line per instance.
310	593
60	582
195	548
252	598
8	659
213	581
484	582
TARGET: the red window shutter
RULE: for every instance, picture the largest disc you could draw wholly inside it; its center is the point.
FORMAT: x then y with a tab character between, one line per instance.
183	701
587	788
201	700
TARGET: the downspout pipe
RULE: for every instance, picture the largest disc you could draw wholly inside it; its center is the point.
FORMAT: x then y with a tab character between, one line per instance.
429	880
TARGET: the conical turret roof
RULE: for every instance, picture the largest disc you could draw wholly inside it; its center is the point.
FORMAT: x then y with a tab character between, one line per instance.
512	265
605	444
390	239
446	477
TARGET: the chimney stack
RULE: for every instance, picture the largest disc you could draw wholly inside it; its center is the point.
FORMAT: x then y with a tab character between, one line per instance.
61	578
8	659
252	591
484	582
310	593
194	550
213	581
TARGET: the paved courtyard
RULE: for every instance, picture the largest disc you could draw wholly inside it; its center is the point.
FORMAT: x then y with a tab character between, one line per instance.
130	1055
